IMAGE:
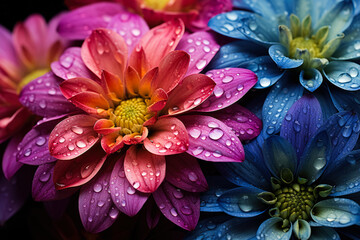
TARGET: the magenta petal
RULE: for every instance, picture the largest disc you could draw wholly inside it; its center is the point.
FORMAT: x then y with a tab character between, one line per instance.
211	140
34	149
43	187
231	85
71	65
245	124
152	214
202	47
126	198
10	165
180	207
13	193
183	171
130	26
7	50
43	97
78	24
97	211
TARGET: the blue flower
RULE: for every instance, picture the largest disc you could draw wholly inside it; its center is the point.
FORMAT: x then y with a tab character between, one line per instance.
304	183
295	46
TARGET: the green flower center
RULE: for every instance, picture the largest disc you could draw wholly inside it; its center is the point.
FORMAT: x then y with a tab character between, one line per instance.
131	114
31	76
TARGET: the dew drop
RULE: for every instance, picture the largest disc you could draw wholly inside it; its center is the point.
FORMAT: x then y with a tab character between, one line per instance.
135	32
198	150
86	171
77	130
232	16
44	177
227	79
195	133
71	147
97	187
213	125
40	141
331	217
218	92
136	185
81	144
216	134
100	203
193	176
113	213
344	219
265	82
186	210
319	163
173	212
52	91
178	194
353	72
61	140
27	152
42	104
344	78
201	64
130	190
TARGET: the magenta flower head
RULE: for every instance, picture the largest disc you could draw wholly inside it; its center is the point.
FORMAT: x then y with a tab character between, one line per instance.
146	112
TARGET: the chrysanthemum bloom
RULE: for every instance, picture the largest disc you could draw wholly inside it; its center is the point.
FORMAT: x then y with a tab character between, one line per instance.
139	103
303	183
25	55
194	13
295	47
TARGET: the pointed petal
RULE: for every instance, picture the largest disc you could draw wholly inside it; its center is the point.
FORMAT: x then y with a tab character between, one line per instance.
211	140
92	103
132	80
126	198
72	136
180	207
80	170
343	74
105	50
78	24
112	142
231	85
97	211
272	229
73	86
168	136
11	125
113	85
279	54
202	47
10	165
139	61
183	171
320	233
152	214
302	229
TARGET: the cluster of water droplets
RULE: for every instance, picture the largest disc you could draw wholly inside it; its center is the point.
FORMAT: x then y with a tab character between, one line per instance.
345	78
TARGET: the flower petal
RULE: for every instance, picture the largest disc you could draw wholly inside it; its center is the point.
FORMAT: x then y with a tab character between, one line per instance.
73	136
168	136
180	207
311	79
211	140
10	165
201	46
336	212
144	170
301	122
183	171
80	170
97	212
73	86
343	74
231	85
245	124
78	24
279	54
105	50
320	233
91	102
43	97
126	198
190	93
272	229
344	100
347	51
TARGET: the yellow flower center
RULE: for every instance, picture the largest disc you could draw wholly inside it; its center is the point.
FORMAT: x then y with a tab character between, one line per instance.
31	76
156	4
130	115
304	44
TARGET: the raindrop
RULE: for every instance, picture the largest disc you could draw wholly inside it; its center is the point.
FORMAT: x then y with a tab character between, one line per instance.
216	133
346	131
192	176
201	64
297	126
136	185
71	147
61	140
100	203
319	163
353	72
195	133
162	206
331	217
227	79
228	27
240	87
130	190
135	32
97	187
198	150
213	125
344	219
86	171
52	91
218	92
42	104
178	194
206	49
44	177
81	144
67	61
77	130
344	78
40	141
186	210
252	26
113	213
27	152
232	16
265	82
173	212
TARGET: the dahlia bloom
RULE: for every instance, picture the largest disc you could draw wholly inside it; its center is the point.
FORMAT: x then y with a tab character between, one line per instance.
139	104
25	55
303	184
295	47
194	13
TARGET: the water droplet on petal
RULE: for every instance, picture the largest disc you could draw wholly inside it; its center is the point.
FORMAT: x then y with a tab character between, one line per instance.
173	212
136	185
44	177
113	213
61	140
344	78
186	210
27	152
178	194
227	79
130	190
77	130
265	82
218	92
201	64
135	32
198	150
40	141
192	176
194	132
86	171
97	187
81	144
216	133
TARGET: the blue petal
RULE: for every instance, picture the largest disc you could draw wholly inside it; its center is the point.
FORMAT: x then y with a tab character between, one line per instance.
240	4
347	51
336	212
343	129
266	70
279	100
345	176
339	18
242	202
228	23
323	96
310	79
343	74
235	53
316	156
217	186
279	154
352	232
279	53
271	229
268	8
323	233
345	100
301	122
352	32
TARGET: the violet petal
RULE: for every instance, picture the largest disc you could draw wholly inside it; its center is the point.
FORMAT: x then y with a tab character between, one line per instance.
9	163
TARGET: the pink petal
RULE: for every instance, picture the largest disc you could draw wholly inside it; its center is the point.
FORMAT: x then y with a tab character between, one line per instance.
144	170
73	86
183	171
105	50
172	68
125	197
92	103
180	207
190	93
245	124
80	170
138	60
72	137
112	142
211	140
10	125
43	188
10	165
7	50
130	26
159	41
105	126
231	85
202	47
97	211
78	24
71	65
168	136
